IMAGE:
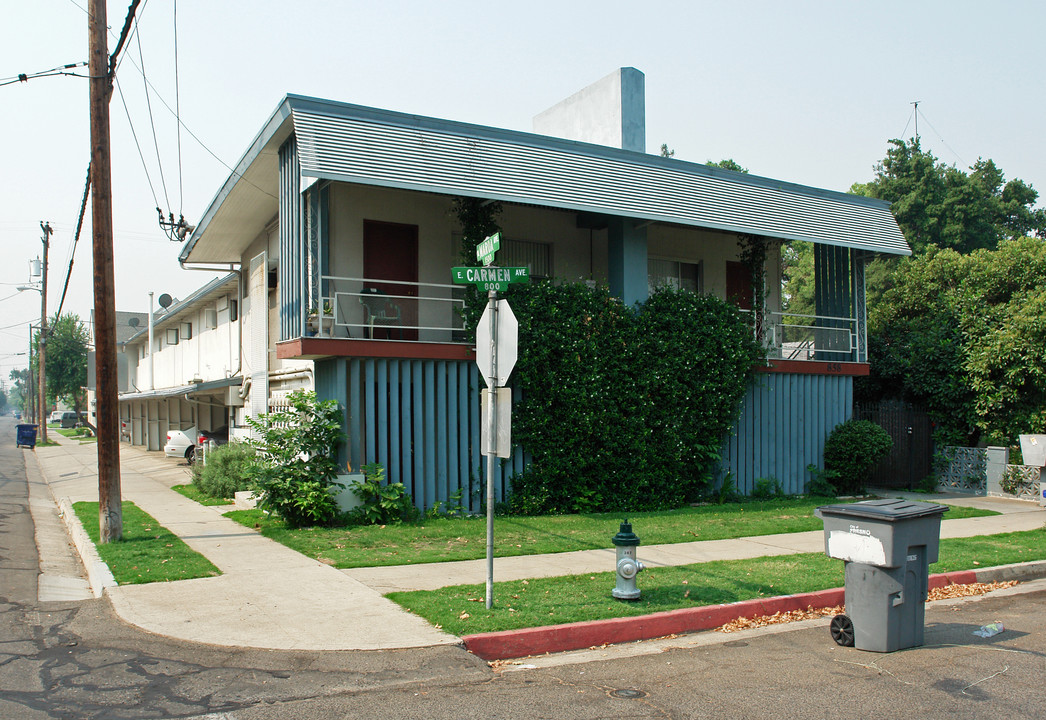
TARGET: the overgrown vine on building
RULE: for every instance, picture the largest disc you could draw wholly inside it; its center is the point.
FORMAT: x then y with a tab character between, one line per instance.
478	219
752	252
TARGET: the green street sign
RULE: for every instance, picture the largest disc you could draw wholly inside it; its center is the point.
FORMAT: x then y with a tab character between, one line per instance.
486	249
490	278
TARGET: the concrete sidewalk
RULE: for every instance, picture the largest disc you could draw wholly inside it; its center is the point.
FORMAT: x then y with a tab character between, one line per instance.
267	597
272	597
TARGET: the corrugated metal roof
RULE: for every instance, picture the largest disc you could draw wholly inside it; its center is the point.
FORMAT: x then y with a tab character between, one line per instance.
342	142
164	318
200	387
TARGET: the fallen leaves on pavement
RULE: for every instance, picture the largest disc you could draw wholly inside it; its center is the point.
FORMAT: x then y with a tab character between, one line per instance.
943	593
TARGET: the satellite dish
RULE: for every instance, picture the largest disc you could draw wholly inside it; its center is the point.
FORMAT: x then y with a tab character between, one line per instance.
165	301
132	321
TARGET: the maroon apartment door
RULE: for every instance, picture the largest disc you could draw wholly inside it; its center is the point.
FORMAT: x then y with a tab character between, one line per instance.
390	252
738	285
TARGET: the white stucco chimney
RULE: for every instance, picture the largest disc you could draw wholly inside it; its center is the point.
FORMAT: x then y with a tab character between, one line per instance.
611	111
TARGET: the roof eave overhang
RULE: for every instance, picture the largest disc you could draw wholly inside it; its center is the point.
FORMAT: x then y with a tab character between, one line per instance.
353	144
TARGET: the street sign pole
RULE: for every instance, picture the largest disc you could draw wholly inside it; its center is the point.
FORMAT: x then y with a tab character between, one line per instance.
492	385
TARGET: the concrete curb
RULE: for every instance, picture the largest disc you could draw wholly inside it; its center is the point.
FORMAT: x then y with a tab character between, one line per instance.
98	573
578	636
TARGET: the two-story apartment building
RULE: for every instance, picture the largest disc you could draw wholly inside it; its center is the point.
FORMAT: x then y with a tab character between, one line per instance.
342	221
183	369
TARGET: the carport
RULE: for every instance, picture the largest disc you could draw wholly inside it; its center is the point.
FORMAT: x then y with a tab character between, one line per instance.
146	417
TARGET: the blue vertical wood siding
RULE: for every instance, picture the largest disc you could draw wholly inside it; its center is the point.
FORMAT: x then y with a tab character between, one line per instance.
290	271
421	420
785	420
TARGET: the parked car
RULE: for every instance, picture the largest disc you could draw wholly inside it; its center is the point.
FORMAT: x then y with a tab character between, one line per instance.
183	443
54	417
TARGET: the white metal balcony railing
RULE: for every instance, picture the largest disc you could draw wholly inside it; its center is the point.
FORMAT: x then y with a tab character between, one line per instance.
789	336
365	308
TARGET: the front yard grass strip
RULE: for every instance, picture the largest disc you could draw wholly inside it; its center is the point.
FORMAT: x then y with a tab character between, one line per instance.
519	604
446	539
148	552
193	493
75	434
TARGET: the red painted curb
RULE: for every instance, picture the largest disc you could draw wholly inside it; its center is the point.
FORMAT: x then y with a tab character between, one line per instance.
577	636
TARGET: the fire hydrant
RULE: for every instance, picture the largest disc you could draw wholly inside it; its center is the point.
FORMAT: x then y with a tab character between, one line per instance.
627	565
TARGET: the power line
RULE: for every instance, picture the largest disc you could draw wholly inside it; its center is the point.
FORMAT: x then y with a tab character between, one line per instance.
178	108
152	123
76	239
128	20
138	145
60	70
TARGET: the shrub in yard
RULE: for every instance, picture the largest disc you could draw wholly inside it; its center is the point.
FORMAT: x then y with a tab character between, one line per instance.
384	503
227	470
851	451
767	488
295	470
819	486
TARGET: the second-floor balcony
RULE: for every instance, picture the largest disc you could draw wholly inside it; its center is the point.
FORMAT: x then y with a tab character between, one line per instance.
372	309
383	318
368	317
789	336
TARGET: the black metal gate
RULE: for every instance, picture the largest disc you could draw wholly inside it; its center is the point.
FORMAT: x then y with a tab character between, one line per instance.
911	458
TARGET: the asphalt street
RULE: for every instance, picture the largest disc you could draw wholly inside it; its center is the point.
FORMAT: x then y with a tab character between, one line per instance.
76	659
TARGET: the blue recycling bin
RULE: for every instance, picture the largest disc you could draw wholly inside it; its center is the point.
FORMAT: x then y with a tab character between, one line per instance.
26	436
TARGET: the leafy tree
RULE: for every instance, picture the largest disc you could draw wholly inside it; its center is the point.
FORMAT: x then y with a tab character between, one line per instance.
727	164
67	343
3	401
965	336
665	152
21	391
938	204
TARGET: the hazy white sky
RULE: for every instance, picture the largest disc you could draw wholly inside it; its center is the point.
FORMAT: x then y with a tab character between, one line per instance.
808	92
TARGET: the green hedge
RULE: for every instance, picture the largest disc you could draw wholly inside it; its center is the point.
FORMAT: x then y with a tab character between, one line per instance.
623	409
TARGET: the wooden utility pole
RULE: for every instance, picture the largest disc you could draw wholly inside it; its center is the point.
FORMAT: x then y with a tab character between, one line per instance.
110	515
41	349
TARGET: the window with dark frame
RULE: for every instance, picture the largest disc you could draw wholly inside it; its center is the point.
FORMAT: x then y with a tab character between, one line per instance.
674	274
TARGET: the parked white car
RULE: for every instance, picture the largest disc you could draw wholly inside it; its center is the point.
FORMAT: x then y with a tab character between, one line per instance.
181	444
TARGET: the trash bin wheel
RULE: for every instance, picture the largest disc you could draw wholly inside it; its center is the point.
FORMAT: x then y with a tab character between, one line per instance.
842	629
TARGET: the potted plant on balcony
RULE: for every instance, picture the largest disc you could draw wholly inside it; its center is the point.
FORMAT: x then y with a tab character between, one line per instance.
321	325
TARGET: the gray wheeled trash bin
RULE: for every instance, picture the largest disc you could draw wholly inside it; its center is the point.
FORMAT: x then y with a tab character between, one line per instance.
887	546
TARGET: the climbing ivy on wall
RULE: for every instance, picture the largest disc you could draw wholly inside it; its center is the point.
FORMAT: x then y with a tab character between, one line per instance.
752	252
623	409
478	219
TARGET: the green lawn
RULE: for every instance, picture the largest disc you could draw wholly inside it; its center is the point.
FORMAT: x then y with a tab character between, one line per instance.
446	539
193	493
148	551
76	433
461	610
